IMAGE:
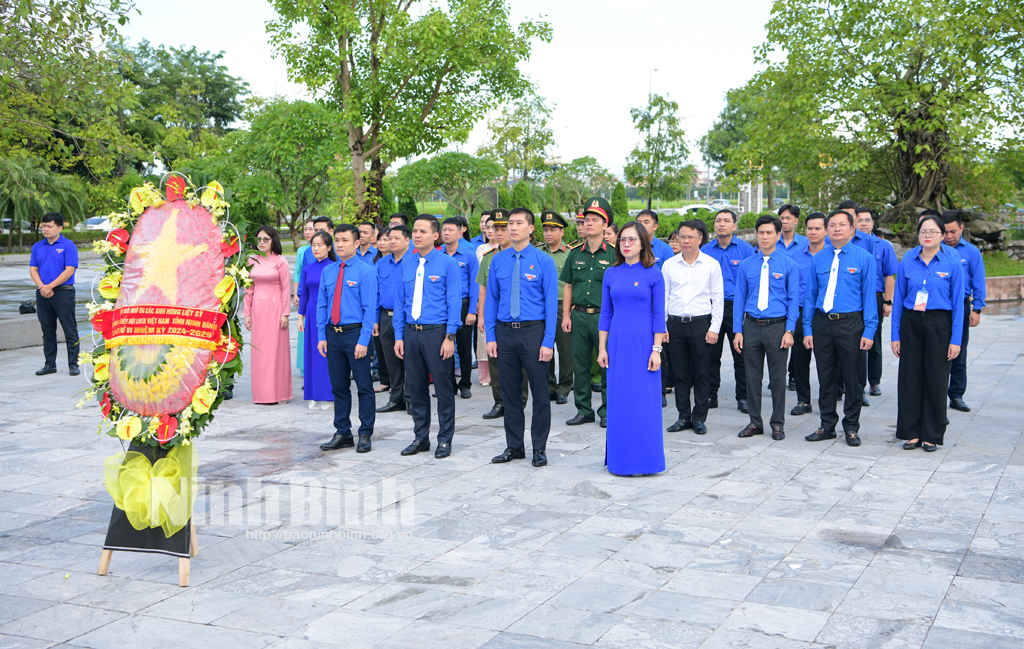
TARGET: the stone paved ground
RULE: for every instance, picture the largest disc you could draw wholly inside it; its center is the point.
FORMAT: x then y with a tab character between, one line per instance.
741	543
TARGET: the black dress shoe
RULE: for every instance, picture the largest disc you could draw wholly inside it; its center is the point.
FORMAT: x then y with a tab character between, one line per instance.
956	403
700	428
552	396
681	424
465	393
909	446
947	421
474	365
391	406
791	386
820	435
364	444
496	412
74	371
750	431
875	390
864	401
509	455
852	439
712	403
580	419
929	448
604	422
539	459
595	387
414	448
801	409
338	441
444	449
778	434
664	401
561	399
741	405
46	370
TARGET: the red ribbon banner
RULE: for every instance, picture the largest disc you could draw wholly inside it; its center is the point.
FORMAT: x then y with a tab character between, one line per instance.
148	324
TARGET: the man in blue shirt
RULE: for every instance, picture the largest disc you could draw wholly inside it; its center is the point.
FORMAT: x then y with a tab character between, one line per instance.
366	252
478	240
974	302
662	251
839	323
800	356
520	312
728	251
428	303
52	268
460	250
389	277
885	272
791	240
765	311
346	308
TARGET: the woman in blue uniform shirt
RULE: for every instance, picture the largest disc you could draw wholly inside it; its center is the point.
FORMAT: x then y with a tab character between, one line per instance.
927	324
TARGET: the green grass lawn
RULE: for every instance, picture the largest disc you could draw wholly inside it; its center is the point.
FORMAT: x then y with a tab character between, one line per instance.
999	264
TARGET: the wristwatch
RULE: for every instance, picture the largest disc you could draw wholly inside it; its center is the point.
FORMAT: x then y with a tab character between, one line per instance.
450	336
790	332
978	311
889	302
656	348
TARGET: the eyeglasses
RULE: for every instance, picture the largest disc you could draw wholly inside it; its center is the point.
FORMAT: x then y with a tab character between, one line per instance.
929	233
629	241
686	237
264	239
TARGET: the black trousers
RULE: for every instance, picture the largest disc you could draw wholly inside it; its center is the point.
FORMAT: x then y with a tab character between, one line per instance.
61	306
800	363
562	384
396	366
874	355
761	344
737	358
519	351
341	363
382	363
958	371
464	346
839	359
689	351
924	375
423	360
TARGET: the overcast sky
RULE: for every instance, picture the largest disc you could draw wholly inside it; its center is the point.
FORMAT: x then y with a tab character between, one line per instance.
595	69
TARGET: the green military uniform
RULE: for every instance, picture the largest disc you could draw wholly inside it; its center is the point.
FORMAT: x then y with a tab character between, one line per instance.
584	271
563	386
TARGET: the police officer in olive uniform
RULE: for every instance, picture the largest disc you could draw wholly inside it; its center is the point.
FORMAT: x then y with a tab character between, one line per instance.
583	274
554	229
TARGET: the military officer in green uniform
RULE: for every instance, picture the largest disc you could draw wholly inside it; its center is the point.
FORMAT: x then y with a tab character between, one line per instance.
554	228
583	274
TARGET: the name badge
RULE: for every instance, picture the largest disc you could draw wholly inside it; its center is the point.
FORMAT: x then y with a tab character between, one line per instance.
921	301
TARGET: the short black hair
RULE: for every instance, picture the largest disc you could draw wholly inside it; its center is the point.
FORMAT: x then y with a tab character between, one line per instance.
399	215
768	220
867	210
953	216
848	205
53	217
792	209
523	210
324	219
696	224
815	215
434	224
453	220
347	227
729	212
651	213
369	223
928	212
934	218
275	241
844	213
403	230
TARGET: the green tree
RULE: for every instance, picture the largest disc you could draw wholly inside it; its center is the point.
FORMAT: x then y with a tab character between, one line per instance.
404	85
659	162
520	138
521	196
291	149
387	199
504	198
28	190
461	179
580	179
928	83
407	206
620	204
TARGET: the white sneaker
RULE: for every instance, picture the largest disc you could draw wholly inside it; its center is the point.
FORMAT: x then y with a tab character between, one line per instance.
327	405
313	405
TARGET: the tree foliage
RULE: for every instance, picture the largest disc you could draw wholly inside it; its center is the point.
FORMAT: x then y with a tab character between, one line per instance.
658	163
521	196
461	179
406	81
620	204
520	138
580	179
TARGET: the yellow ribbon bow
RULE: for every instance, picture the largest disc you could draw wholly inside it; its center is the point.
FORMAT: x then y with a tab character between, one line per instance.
160	494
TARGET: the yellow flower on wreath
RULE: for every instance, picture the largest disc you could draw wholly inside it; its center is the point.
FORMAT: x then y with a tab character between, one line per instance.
129	427
101	368
143	197
225	289
203	399
110	286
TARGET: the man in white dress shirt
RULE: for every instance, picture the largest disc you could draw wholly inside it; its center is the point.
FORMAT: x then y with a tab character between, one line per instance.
694	304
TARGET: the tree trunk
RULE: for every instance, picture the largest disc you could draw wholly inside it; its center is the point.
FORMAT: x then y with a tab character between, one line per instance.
920	148
770	184
372	190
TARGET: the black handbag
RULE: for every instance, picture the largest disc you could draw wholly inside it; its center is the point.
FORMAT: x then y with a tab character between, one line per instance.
29	306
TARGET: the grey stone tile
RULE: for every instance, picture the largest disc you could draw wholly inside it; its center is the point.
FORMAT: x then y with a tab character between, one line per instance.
943	638
358	629
443	636
1011	570
630	573
813	596
60	622
565	624
679	607
599	597
495	614
740	563
13	607
15	642
654	634
720	585
852	632
401	600
61	586
200	605
905	581
736	639
991	620
889	606
519	641
126	596
789	623
279	617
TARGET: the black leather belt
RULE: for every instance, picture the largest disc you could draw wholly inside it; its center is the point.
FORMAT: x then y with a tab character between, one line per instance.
465	300
346	327
763	322
416	327
840	316
390	312
689	318
522	324
64	287
588	309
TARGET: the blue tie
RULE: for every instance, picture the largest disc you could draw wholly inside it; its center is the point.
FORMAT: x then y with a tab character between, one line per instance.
514	310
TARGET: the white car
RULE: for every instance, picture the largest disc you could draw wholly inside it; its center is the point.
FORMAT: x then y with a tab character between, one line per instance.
98	223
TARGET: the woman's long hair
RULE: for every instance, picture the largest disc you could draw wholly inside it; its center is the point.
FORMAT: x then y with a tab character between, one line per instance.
326	238
275	241
646	254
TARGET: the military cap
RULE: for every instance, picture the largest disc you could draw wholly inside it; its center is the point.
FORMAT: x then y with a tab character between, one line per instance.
500	217
551	217
599	206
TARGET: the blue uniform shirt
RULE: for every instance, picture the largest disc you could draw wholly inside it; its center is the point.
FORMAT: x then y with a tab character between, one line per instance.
538	290
944	279
729	259
468	268
51	259
802	257
855	286
783	289
442	292
885	261
478	240
798	240
662	252
974	265
388	278
358	298
473	245
371	252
